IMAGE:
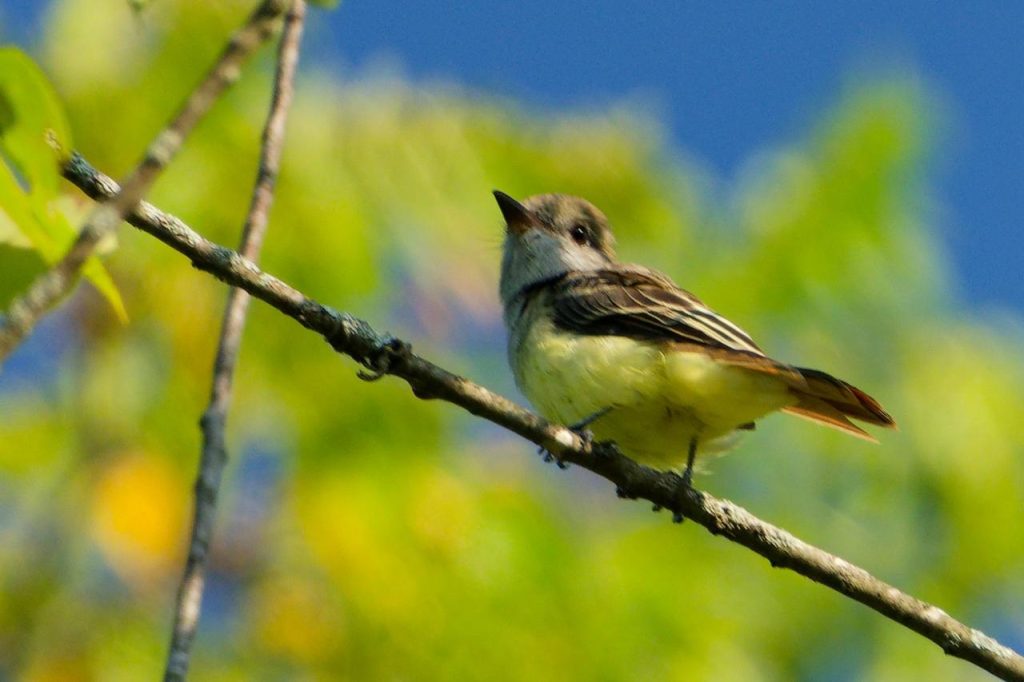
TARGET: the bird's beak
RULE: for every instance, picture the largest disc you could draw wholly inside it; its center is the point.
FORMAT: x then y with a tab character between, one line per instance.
518	218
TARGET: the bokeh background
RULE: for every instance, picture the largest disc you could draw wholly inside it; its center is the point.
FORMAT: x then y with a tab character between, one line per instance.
845	186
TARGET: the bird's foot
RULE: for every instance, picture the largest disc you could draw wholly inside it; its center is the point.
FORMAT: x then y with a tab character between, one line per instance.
686	480
581	431
687	476
549	457
586	436
680	492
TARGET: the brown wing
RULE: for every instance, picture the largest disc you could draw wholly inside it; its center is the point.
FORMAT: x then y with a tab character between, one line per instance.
644	305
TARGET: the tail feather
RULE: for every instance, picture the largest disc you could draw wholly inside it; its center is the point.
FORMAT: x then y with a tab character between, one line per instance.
820	397
816	410
831	401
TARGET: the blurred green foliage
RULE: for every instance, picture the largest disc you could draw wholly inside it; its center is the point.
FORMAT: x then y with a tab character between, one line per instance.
35	228
368	535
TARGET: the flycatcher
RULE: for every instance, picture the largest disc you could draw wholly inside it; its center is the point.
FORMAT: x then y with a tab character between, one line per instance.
621	349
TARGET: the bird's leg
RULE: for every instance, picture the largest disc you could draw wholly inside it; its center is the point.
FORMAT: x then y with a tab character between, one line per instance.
580	429
692	455
678	517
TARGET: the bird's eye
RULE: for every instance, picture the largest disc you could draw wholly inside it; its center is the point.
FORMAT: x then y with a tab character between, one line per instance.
580	235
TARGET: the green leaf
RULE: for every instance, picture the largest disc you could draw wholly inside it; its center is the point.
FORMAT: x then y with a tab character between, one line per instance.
10	233
15	204
35	138
20	268
34	131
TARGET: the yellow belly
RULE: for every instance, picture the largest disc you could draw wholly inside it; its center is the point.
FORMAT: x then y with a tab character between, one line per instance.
660	398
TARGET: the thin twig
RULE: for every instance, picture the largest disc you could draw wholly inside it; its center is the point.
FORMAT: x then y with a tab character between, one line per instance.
50	287
385	355
214	450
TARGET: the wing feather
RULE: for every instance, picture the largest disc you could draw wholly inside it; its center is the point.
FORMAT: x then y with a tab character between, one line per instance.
645	305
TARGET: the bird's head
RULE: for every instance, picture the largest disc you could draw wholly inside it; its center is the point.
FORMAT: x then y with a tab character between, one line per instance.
548	235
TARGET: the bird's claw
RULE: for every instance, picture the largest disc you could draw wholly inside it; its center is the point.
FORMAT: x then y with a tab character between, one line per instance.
583	433
549	457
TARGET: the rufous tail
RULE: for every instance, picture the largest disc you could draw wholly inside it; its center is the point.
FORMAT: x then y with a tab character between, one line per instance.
833	402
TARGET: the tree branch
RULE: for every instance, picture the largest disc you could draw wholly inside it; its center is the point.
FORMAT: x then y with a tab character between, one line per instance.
50	287
214	454
385	355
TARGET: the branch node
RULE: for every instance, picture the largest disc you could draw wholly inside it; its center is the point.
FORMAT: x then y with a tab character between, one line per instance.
339	339
385	360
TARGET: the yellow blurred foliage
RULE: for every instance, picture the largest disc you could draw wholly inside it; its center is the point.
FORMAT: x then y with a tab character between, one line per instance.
290	619
441	512
59	668
349	526
137	517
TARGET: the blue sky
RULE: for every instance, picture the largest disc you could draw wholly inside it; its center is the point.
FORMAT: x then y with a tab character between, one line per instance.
729	78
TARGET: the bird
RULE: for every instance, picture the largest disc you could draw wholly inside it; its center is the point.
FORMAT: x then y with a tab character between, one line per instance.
619	352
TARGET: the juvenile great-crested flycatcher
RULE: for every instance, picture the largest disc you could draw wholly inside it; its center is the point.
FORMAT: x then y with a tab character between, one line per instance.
620	348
